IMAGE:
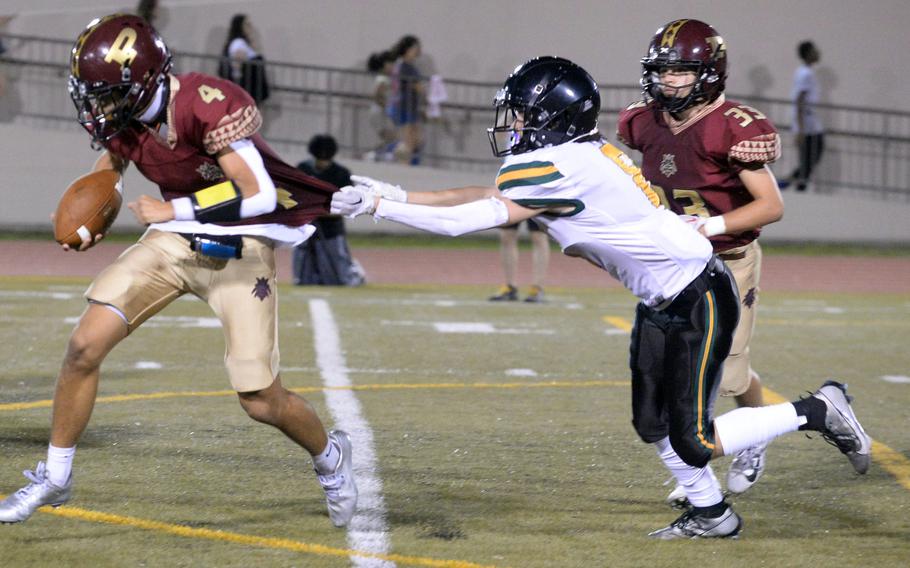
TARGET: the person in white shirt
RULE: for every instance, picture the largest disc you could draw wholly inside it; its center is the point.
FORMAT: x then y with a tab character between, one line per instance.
807	126
593	200
241	60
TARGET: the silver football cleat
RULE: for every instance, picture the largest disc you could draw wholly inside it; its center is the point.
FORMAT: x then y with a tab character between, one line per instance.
842	429
339	486
23	503
746	469
691	525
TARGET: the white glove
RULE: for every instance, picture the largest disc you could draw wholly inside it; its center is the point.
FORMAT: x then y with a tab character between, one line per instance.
353	201
694	221
381	188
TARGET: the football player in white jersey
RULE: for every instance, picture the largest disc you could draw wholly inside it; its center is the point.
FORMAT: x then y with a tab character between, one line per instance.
595	202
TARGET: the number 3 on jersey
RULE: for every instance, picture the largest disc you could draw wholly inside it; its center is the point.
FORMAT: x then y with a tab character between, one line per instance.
210	94
697	206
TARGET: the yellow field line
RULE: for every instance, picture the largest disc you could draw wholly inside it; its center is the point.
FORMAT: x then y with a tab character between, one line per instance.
621	323
237	538
10	406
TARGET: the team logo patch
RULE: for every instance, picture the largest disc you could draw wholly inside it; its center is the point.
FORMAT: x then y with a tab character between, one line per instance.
668	165
261	289
210	172
749	298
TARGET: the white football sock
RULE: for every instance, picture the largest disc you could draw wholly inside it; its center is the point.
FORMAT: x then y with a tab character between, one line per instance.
701	486
327	461
746	427
59	464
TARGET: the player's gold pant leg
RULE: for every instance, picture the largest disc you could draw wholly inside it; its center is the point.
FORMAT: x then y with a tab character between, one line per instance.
745	264
143	280
244	297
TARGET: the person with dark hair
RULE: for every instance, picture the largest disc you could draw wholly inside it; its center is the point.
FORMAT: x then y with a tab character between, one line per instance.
325	259
810	135
407	90
148	10
227	201
595	202
381	65
241	60
708	157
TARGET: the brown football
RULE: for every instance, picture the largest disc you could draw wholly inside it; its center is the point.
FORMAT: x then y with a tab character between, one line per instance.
87	208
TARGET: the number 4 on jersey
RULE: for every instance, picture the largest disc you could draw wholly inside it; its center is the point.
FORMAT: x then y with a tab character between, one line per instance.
210	94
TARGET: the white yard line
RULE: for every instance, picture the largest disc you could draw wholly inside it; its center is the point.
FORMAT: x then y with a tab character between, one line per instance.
369	530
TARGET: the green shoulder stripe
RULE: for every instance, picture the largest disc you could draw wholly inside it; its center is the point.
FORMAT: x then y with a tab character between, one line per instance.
529	173
577	206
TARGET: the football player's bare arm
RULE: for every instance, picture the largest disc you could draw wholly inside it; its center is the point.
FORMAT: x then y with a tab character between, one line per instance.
767	207
448	197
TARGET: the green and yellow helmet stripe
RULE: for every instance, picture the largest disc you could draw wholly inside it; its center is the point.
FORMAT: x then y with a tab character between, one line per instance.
529	173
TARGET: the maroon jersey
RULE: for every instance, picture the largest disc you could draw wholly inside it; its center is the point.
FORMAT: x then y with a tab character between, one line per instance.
694	166
205	114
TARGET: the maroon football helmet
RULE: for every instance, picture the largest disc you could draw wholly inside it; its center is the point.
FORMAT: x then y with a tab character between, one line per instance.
116	65
690	45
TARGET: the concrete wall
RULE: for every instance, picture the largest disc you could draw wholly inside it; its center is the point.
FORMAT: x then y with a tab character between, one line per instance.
484	40
38	164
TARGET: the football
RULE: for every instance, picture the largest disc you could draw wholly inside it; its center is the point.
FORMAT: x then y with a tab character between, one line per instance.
87	208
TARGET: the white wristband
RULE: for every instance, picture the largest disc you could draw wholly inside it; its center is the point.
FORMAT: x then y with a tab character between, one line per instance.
715	226
183	209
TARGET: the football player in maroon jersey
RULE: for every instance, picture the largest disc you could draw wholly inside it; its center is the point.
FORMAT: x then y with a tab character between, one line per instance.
707	158
228	200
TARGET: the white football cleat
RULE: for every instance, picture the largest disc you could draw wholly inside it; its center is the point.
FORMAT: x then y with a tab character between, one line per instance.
23	503
747	467
339	486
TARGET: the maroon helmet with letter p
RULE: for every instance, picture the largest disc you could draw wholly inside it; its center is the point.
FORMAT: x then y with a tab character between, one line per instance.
689	45
116	66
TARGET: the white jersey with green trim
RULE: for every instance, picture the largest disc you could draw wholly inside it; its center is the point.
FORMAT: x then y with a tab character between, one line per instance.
612	217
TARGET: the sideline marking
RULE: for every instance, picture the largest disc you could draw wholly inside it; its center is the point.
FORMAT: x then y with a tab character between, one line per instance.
369	529
239	538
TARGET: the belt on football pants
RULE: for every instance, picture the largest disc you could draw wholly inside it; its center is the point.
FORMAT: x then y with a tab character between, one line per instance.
732	255
714	270
216	246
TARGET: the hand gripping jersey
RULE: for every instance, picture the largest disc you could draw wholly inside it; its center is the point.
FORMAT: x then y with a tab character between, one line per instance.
205	115
694	166
612	218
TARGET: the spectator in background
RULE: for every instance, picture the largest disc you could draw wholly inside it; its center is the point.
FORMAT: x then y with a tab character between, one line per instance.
540	259
810	136
3	21
381	65
148	11
407	90
324	258
241	61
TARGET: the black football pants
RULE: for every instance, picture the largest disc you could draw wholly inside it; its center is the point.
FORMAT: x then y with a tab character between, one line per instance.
677	357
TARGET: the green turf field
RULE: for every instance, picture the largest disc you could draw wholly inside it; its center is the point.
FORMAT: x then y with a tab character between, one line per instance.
502	436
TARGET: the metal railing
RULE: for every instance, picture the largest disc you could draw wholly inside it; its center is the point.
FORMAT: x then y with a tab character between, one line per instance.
867	150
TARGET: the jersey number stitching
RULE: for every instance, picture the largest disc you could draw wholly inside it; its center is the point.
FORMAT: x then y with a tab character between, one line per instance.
210	94
628	166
